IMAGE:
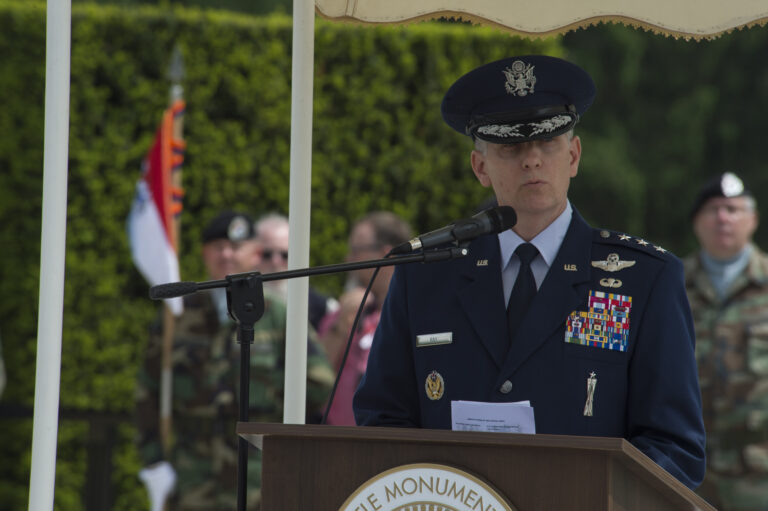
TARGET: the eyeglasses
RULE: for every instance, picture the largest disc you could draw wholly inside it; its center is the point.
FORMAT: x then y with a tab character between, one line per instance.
269	254
730	209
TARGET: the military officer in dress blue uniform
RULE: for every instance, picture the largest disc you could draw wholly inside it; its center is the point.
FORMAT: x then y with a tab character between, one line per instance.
593	327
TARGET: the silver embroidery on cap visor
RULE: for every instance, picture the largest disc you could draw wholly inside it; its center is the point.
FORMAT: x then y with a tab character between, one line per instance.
550	125
537	128
501	130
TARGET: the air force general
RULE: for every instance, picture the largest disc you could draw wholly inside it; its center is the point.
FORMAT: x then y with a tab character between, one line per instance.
592	326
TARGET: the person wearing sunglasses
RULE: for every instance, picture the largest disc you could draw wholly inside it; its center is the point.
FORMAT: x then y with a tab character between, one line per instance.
371	237
272	234
205	380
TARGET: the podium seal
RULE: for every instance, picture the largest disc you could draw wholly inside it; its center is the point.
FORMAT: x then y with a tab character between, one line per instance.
425	487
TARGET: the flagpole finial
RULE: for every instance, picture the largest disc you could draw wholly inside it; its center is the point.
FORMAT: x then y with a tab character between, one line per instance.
176	73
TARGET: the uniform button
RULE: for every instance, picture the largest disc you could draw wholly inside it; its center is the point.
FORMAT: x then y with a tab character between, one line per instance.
605	234
506	387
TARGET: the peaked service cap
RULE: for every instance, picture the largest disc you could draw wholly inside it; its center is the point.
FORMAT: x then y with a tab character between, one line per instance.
518	99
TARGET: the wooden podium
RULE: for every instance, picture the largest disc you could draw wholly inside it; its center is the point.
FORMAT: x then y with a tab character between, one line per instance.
310	467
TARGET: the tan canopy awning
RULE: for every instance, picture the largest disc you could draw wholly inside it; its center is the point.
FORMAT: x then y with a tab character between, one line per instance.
695	19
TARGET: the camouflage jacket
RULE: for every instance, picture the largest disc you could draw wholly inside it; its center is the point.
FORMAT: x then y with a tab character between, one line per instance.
206	362
2	372
732	355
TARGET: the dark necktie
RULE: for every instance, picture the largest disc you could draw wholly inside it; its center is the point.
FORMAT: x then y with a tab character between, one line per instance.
524	289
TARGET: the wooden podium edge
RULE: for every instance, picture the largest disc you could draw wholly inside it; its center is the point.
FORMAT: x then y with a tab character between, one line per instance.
618	449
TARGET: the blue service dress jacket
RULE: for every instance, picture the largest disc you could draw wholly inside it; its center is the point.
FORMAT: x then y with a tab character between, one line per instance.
636	318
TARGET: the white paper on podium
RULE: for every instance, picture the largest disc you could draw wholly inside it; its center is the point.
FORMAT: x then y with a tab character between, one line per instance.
514	417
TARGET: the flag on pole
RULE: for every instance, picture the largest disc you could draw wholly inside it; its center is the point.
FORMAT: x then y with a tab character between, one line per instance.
157	205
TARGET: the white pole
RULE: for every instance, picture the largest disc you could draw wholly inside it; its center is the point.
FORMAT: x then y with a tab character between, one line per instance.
51	301
299	209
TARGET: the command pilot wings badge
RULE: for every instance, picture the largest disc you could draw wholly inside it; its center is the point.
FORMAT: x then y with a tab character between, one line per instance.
612	263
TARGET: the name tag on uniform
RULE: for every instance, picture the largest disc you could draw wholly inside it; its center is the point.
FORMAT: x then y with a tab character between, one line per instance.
434	339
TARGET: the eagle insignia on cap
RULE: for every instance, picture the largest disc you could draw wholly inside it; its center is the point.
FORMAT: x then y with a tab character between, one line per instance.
520	79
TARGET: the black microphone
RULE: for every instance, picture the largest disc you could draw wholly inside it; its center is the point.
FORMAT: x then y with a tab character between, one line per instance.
490	221
172	290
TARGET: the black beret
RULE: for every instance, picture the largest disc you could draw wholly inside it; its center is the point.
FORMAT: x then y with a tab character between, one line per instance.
519	99
727	184
229	225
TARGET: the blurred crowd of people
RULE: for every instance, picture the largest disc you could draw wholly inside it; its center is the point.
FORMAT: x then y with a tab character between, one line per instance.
196	466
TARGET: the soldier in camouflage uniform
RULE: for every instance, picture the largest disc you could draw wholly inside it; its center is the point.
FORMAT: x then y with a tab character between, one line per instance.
727	284
206	363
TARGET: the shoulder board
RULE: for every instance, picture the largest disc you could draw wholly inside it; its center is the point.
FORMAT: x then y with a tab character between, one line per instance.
621	239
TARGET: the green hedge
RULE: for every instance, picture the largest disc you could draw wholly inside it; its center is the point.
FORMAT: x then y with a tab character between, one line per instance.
379	143
668	114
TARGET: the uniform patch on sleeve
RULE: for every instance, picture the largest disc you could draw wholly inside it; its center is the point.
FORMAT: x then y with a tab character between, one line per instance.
605	325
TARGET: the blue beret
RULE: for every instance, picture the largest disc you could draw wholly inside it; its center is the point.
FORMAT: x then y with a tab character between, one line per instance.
519	99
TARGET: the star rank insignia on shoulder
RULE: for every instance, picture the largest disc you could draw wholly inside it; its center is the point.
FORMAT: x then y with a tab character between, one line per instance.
625	240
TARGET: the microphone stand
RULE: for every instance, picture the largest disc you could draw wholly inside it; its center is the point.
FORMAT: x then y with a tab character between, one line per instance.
245	302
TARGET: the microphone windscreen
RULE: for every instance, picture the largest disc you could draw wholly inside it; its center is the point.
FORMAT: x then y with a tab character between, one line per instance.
503	218
172	290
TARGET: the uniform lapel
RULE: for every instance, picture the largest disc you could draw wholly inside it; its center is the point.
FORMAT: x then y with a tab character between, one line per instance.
557	297
481	295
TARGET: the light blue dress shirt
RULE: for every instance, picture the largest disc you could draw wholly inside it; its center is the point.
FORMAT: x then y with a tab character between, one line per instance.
724	273
548	244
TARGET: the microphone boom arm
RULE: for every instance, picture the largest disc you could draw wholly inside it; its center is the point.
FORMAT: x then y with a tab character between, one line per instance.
174	289
245	302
